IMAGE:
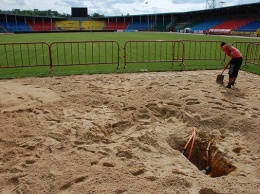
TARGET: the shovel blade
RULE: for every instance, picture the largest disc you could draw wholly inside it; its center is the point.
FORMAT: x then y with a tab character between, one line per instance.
220	79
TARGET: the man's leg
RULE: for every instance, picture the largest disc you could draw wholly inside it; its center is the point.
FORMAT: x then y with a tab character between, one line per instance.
233	81
236	68
231	77
230	81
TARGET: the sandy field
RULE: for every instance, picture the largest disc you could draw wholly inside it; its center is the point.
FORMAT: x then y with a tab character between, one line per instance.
125	134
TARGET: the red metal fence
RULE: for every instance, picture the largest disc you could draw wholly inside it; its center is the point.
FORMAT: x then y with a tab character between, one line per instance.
37	54
252	55
84	53
24	54
203	50
153	51
250	52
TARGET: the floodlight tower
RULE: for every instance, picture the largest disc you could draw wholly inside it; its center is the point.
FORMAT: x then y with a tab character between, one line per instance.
222	3
210	4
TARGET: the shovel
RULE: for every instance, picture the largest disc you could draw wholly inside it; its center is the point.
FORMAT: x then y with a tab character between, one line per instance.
220	78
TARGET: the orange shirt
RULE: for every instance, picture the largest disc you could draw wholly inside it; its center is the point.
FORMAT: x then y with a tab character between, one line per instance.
228	49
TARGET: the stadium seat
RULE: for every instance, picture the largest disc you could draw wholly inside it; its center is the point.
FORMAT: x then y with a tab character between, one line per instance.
232	24
250	27
68	25
2	29
206	25
42	25
15	26
140	26
116	25
160	26
92	25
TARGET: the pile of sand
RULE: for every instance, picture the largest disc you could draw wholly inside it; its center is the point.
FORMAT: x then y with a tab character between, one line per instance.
125	133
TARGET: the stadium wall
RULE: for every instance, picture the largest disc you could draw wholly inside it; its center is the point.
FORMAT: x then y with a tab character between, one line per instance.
147	22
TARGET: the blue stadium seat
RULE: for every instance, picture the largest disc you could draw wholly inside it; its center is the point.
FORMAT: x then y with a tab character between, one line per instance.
250	27
207	25
141	26
15	26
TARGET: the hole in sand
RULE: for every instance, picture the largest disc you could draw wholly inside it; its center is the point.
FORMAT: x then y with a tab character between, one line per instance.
218	165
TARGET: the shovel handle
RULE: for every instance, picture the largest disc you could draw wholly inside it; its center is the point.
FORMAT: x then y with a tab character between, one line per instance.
222	71
225	67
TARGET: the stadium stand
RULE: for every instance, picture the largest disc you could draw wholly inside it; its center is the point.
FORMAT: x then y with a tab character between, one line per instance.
249	29
202	21
42	26
68	25
206	25
140	26
181	27
160	26
2	29
92	25
251	26
116	25
17	26
229	25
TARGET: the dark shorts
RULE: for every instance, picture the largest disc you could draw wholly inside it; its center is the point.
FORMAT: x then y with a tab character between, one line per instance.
234	67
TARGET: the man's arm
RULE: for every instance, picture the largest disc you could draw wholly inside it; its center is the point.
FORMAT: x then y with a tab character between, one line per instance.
226	66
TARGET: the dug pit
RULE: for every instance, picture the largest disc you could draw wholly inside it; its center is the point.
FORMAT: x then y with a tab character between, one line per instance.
218	164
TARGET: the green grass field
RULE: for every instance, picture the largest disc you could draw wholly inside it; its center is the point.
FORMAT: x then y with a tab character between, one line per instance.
121	38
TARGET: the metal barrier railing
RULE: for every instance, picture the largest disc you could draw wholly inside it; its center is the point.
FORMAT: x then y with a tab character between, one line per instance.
38	54
153	52
202	50
252	55
247	51
241	46
24	55
84	53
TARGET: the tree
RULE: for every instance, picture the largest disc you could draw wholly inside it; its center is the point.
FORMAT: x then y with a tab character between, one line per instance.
96	15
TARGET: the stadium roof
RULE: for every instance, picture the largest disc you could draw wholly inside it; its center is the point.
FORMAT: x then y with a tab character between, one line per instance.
245	8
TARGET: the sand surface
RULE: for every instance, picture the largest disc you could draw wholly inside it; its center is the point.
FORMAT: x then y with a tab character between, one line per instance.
125	133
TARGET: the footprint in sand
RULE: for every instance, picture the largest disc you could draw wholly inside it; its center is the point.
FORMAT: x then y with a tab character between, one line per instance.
109	164
192	101
217	103
206	91
220	107
175	104
217	108
254	116
211	97
11	186
73	181
122	153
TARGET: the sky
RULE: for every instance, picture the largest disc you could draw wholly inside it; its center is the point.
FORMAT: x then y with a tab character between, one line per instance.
119	7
